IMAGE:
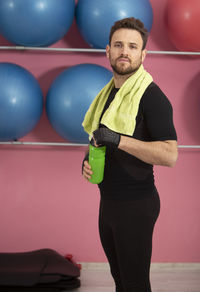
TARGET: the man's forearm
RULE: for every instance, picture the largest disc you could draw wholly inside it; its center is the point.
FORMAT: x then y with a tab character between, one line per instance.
156	153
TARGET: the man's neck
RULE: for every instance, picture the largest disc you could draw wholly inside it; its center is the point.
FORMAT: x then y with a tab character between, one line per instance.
120	79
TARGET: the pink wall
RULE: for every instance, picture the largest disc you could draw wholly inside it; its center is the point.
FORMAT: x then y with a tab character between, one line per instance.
44	202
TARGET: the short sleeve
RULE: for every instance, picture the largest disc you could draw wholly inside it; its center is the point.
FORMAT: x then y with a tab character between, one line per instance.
158	114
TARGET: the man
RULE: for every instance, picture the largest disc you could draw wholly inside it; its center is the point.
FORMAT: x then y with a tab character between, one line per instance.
132	117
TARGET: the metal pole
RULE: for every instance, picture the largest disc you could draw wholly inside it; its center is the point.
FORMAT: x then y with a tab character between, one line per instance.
74	144
43	143
89	50
189	146
174	53
80	50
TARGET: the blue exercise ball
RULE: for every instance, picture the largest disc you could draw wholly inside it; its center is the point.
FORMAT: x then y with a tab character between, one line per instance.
35	22
95	17
21	102
70	96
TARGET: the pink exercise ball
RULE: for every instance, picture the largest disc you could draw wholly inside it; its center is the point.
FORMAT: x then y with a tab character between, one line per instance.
183	24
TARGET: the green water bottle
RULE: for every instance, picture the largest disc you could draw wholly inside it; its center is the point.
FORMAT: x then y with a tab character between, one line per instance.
97	163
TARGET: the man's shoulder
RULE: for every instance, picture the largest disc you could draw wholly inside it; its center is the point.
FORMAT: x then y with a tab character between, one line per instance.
154	97
153	88
153	92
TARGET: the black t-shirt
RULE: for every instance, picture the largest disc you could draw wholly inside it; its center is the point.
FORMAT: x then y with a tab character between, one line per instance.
125	176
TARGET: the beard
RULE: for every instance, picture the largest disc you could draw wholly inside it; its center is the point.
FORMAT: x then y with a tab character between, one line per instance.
122	70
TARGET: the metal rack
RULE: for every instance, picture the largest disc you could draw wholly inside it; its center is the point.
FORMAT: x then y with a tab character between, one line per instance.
88	50
63	144
82	50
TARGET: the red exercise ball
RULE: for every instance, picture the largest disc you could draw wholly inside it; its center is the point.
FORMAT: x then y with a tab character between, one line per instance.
183	24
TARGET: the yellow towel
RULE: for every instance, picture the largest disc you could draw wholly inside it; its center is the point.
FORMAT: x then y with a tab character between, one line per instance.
121	114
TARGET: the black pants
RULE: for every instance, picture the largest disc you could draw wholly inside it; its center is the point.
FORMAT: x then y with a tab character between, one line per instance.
126	229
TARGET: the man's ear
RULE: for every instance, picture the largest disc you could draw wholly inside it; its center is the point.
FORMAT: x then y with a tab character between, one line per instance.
144	53
107	51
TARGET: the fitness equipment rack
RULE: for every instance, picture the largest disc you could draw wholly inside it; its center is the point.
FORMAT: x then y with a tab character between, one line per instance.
83	50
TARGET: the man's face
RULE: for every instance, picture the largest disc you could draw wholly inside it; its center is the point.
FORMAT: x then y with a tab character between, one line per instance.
125	51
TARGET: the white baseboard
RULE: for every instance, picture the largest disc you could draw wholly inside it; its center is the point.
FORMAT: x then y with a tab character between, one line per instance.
154	266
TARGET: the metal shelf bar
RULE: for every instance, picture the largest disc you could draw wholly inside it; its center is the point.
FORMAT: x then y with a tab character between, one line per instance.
43	143
21	48
88	50
189	146
72	144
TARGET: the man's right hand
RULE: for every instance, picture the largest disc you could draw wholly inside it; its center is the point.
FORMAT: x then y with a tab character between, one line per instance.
87	172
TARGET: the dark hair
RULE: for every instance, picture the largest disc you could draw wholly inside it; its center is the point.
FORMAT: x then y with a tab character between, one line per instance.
130	23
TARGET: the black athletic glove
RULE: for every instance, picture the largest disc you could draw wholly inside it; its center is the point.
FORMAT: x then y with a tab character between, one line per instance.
105	136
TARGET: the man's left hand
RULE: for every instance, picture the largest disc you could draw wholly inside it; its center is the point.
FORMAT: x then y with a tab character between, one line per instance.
105	136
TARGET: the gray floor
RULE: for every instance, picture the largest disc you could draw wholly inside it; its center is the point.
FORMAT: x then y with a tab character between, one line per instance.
164	278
